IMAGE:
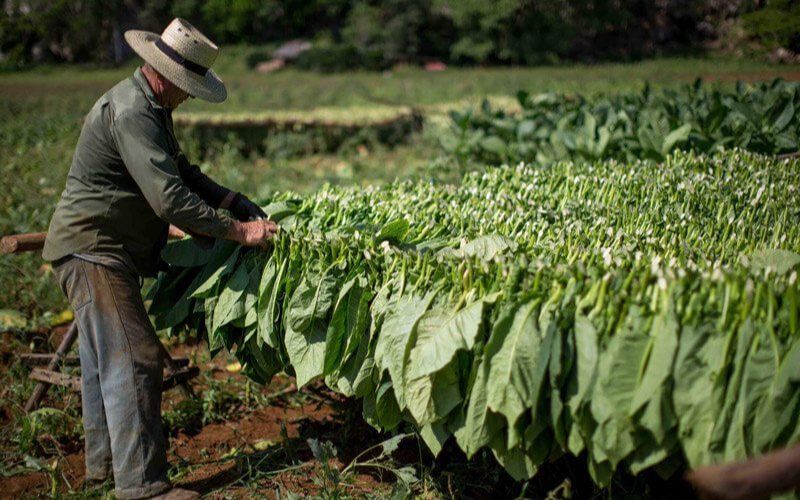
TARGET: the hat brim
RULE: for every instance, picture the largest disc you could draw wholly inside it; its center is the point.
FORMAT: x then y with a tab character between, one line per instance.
209	87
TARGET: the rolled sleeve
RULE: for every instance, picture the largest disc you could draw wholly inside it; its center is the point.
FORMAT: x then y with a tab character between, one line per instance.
142	145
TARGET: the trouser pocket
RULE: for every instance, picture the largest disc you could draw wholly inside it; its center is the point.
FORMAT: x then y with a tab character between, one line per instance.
71	275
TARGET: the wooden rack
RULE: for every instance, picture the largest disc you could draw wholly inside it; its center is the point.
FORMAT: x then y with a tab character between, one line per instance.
46	368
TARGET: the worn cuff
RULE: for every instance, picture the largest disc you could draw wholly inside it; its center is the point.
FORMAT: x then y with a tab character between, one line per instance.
226	202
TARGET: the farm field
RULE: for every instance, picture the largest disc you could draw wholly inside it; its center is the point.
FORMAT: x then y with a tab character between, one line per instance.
427	224
404	86
41	111
539	311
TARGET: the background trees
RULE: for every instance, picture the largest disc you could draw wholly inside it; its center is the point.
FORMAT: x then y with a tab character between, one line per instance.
380	33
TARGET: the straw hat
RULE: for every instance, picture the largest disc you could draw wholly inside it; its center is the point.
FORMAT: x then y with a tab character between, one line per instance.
183	56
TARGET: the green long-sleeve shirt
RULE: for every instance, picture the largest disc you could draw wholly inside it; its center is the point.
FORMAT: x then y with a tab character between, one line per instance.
126	185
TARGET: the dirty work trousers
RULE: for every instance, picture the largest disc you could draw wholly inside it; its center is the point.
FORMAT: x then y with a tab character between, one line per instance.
121	376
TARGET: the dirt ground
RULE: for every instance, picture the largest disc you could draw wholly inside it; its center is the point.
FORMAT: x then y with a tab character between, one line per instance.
222	458
257	444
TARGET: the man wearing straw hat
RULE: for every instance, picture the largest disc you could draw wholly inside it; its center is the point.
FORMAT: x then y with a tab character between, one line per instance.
129	181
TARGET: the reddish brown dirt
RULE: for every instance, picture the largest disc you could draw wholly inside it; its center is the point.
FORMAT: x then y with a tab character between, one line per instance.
38	483
261	429
268	439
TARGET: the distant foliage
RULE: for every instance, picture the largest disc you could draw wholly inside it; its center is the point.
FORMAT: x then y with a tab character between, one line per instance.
336	58
522	32
62	30
777	25
258	21
376	34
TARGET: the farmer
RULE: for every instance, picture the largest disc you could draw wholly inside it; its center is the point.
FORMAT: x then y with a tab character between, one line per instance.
129	181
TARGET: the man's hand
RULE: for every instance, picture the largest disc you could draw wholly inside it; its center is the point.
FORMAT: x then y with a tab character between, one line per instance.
244	209
253	234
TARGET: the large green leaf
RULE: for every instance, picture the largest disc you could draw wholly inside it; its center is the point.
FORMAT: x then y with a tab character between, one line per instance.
306	326
434	435
229	307
441	334
397	336
387	410
652	389
777	416
494	145
680	134
481	424
698	355
214	273
270	288
617	378
584	379
348	324
186	253
431	376
485	248
518	353
785	117
729	386
757	377
393	231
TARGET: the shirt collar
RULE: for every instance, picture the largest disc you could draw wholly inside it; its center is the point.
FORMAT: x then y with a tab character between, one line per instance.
148	92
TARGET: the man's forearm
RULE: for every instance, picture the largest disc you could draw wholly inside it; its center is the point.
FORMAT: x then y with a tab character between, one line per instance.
212	193
216	195
235	232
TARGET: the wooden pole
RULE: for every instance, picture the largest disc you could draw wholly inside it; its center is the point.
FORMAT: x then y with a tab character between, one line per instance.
28	242
172	367
41	388
17	243
56	378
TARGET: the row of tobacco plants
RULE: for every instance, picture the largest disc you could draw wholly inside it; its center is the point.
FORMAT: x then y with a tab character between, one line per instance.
764	118
642	315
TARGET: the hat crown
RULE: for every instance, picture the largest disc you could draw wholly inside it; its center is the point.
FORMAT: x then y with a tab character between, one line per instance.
190	43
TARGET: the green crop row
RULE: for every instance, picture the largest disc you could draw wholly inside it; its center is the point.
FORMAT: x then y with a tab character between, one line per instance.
763	118
331	117
642	314
286	134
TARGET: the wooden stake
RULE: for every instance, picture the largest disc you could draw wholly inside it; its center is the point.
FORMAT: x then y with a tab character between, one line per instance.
18	243
28	242
41	388
56	378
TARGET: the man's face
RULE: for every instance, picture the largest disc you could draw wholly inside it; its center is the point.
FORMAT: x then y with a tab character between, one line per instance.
168	94
173	95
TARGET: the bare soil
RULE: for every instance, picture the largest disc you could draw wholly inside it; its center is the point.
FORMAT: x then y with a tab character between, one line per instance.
263	449
223	458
